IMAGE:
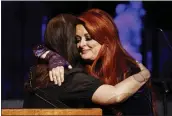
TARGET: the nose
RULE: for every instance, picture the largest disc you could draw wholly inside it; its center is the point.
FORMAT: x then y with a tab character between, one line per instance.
82	43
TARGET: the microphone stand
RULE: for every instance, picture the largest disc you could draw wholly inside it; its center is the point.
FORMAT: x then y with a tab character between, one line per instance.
163	82
165	93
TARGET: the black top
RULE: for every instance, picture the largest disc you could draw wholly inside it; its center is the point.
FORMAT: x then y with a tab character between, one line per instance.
140	104
76	91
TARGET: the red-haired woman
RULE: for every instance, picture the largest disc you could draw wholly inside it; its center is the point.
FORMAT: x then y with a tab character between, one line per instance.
104	57
113	64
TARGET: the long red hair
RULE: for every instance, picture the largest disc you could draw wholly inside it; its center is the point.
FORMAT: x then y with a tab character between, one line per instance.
112	60
113	64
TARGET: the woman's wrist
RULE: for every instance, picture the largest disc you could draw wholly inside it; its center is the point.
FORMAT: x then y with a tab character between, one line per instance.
49	55
142	76
139	78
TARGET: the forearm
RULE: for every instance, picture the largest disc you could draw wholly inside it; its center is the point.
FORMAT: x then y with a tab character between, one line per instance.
129	86
107	94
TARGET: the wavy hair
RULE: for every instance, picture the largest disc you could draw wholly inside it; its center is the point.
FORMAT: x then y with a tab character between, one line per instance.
113	63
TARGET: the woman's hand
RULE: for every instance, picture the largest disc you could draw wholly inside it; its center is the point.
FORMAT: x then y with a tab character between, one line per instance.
56	66
57	74
144	73
56	63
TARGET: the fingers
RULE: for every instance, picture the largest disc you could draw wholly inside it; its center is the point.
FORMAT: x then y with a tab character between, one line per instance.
57	75
144	71
69	67
141	66
61	71
51	75
54	75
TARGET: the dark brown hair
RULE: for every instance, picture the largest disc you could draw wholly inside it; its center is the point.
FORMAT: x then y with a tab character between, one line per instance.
59	37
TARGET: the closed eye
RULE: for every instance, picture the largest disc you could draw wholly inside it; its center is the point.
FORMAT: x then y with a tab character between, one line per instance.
88	38
77	39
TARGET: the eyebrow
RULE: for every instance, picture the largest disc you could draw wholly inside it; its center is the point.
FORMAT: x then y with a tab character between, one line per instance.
77	36
86	34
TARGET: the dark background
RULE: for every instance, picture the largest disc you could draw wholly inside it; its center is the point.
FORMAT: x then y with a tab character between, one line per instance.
21	30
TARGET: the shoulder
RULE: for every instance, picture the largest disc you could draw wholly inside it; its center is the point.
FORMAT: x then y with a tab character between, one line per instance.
78	74
80	80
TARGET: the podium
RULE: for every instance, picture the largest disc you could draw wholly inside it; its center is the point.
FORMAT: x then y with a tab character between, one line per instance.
52	112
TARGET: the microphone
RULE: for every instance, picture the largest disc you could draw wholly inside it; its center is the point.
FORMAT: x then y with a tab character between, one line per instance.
166	39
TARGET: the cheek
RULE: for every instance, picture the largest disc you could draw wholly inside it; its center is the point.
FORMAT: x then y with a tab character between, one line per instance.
97	50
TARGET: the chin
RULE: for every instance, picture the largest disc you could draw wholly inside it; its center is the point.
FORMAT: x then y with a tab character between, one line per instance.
85	57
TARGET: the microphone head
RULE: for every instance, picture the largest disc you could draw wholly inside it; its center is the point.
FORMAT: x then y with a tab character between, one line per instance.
159	29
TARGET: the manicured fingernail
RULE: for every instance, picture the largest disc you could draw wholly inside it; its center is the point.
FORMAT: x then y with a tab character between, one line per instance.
70	67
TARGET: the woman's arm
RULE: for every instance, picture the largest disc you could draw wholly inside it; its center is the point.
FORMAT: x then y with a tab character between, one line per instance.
107	94
56	63
124	89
